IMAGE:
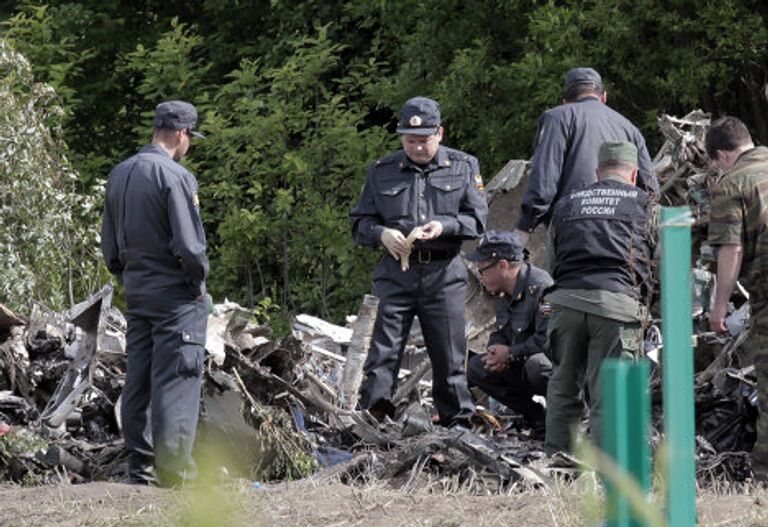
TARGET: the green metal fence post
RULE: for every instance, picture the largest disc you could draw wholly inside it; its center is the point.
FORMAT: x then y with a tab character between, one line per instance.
626	422
677	365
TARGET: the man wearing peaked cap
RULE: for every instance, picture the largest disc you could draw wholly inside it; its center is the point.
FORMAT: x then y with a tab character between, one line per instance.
419	116
153	242
419	204
567	138
177	115
602	272
515	368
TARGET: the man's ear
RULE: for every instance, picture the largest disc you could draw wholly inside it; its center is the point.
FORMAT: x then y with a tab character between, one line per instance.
604	97
633	176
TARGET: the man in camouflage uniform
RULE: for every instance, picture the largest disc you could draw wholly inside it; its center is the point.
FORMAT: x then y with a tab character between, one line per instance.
602	240
738	220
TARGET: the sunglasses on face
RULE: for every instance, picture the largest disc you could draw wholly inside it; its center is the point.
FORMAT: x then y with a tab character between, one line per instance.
481	270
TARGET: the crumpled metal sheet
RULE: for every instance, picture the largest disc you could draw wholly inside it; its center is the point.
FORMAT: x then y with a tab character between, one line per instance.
85	320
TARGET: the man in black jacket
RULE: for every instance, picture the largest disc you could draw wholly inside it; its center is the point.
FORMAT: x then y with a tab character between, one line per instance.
153	242
603	250
437	191
515	368
567	139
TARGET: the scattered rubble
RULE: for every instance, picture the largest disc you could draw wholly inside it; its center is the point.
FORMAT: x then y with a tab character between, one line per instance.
285	407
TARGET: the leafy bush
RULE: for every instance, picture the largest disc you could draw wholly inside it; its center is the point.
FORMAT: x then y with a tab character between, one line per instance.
48	232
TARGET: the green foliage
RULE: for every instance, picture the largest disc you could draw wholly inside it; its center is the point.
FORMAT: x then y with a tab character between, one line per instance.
172	69
48	232
19	442
298	97
282	167
48	38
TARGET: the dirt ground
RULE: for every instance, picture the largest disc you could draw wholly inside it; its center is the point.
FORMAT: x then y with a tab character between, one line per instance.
307	504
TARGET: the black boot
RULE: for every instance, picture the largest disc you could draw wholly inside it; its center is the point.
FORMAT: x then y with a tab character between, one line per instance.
140	469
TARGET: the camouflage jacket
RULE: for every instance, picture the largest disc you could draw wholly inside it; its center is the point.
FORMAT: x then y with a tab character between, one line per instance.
739	215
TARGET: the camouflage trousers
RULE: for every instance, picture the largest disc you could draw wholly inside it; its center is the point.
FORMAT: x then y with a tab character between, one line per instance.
759	328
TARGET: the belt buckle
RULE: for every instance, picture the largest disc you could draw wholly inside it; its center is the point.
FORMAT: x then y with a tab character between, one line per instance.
427	259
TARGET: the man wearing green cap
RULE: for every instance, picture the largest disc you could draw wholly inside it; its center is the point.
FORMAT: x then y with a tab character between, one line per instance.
602	272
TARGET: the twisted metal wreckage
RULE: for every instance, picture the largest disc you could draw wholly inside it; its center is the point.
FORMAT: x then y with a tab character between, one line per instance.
285	408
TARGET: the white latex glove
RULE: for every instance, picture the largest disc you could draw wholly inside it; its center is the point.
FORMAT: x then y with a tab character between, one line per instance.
395	243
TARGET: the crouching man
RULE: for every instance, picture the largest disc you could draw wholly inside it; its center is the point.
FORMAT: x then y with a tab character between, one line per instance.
515	368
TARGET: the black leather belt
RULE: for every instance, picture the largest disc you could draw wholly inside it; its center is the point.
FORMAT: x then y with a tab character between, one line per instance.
424	256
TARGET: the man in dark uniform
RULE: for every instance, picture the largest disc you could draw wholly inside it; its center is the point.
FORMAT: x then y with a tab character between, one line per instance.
153	242
567	138
515	368
437	189
603	249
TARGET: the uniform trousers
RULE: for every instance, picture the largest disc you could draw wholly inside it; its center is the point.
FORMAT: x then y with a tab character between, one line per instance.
161	397
516	385
579	342
436	293
759	328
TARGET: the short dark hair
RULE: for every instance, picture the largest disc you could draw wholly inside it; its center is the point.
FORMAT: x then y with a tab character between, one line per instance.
726	133
581	89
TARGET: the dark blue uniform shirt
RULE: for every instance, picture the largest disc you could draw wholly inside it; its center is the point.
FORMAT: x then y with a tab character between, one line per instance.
400	194
568	139
152	236
520	322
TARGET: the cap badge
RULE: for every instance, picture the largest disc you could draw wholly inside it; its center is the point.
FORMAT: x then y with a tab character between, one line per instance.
415	120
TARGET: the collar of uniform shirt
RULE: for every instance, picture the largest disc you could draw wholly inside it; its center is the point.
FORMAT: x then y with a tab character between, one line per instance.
156	149
745	154
587	98
440	160
522	281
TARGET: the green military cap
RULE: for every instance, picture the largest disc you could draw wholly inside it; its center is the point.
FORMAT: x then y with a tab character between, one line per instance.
622	151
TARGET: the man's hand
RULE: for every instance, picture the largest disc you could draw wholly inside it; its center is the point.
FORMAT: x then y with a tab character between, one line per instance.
522	236
497	358
431	230
729	257
395	243
717	319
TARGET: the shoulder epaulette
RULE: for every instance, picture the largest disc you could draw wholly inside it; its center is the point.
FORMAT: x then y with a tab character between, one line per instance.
387	159
458	155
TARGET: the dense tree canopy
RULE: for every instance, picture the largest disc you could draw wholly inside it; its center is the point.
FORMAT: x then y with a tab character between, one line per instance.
298	97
